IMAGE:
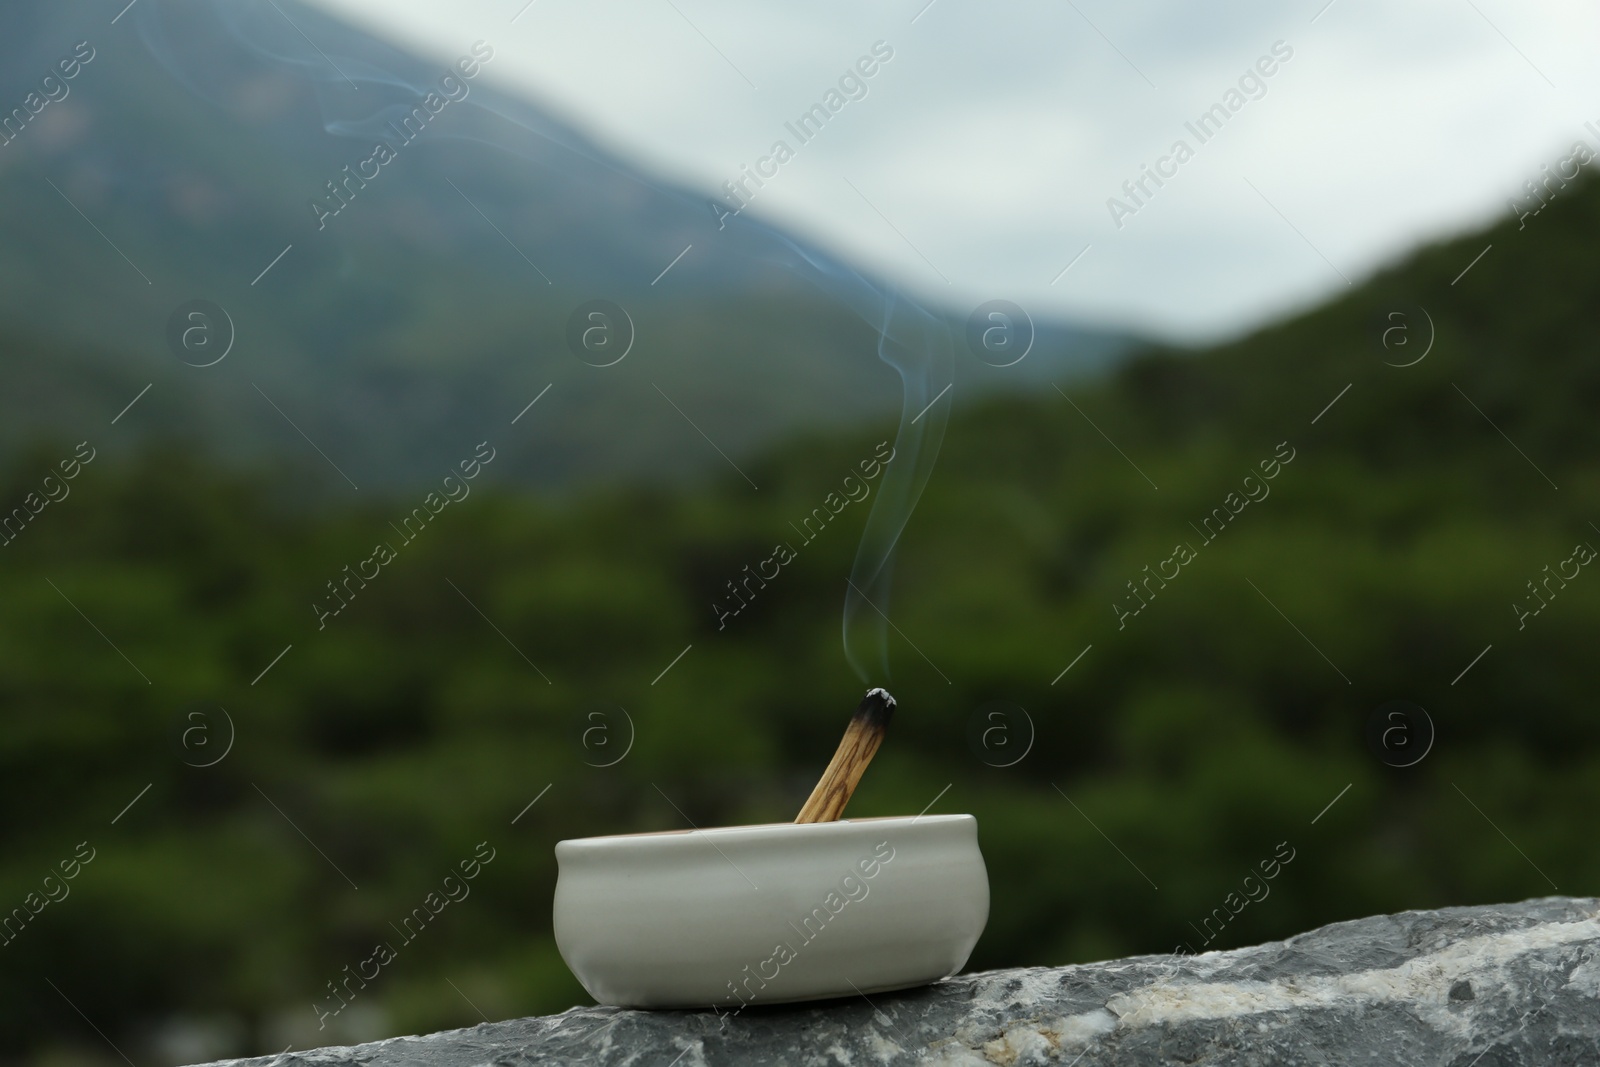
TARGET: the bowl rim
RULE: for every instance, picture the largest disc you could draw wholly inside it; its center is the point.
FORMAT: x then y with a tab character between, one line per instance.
772	828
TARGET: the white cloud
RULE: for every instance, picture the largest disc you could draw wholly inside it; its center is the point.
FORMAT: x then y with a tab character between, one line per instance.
994	137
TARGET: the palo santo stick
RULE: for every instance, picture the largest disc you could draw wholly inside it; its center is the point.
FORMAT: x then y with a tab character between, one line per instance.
861	740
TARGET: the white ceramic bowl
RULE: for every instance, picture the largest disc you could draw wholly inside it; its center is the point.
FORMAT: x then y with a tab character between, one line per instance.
767	914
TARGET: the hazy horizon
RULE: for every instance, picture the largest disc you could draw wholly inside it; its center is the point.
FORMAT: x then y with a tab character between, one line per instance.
1383	130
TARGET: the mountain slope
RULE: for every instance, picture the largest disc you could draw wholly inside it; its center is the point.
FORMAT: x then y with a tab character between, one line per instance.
435	303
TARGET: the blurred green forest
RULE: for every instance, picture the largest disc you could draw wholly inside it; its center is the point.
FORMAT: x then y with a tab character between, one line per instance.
1176	754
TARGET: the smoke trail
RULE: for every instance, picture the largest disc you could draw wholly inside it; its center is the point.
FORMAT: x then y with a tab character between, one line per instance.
919	345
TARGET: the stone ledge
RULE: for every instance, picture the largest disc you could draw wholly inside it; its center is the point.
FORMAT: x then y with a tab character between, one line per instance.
1514	984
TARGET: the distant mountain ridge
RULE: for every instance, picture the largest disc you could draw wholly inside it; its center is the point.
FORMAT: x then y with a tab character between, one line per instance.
429	309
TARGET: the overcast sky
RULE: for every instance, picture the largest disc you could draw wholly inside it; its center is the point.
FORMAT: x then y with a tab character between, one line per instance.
981	159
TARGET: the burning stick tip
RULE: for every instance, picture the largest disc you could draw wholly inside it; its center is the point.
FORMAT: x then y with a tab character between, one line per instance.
877	707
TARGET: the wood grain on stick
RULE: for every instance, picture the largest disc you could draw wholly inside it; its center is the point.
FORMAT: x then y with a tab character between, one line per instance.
861	740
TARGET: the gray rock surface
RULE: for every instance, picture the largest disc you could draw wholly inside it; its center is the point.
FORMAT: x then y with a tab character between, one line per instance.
1505	986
